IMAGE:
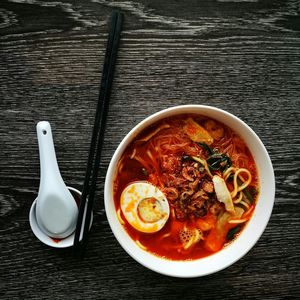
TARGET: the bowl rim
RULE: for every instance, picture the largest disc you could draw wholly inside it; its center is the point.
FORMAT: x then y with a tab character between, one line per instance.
178	270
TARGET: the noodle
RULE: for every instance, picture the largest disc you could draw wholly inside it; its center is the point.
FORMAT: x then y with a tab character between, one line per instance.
204	164
228	172
244	203
140	245
141	161
120	164
238	221
149	136
133	153
172	213
238	188
165	235
249	211
239	199
119	217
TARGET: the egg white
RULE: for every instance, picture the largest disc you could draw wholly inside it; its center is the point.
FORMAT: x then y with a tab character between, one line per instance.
130	199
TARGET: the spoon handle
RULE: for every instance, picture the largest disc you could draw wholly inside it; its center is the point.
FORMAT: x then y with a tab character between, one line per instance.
48	163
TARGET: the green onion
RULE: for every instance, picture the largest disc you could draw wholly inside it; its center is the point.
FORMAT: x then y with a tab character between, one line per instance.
216	161
219	161
145	173
232	232
206	147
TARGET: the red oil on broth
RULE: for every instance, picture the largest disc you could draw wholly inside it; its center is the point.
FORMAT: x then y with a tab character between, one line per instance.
208	176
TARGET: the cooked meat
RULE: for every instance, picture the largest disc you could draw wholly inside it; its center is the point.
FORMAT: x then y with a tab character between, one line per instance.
170	164
190	173
171	193
198	207
193	185
216	208
190	191
200	194
208	186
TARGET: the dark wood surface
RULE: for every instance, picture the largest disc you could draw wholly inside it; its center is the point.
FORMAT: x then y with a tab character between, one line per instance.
241	56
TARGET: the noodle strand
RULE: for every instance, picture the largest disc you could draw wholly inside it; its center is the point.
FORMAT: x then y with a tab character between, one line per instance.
239	199
245	204
203	163
238	221
140	245
120	217
238	188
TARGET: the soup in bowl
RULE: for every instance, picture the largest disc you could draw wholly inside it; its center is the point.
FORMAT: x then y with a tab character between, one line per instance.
189	191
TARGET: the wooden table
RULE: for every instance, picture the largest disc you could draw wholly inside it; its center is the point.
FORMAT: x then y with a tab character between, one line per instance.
241	56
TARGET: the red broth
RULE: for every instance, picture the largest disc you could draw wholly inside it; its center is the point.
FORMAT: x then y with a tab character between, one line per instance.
162	154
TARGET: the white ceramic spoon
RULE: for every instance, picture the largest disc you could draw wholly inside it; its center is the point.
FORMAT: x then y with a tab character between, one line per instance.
56	209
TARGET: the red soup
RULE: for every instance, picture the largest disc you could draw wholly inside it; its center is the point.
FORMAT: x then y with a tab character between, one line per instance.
185	187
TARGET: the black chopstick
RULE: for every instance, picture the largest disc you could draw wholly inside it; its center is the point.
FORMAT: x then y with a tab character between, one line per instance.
90	180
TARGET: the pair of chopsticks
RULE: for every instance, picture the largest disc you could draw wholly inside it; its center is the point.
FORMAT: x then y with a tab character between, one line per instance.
89	186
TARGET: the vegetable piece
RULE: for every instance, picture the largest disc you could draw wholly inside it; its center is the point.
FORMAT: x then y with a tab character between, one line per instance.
218	235
157	130
189	237
215	130
206	223
232	232
236	217
215	240
144	171
196	132
238	212
207	148
222	193
219	161
216	161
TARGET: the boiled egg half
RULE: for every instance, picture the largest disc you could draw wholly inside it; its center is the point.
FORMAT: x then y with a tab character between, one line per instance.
144	206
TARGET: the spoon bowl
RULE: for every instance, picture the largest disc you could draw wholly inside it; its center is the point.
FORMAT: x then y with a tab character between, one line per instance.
43	237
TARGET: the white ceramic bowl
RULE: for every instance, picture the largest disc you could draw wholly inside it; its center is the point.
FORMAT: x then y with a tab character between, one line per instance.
250	234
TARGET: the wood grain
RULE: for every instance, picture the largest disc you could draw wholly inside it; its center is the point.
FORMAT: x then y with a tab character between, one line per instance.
241	56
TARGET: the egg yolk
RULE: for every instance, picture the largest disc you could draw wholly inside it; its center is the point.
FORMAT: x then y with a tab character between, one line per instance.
150	210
